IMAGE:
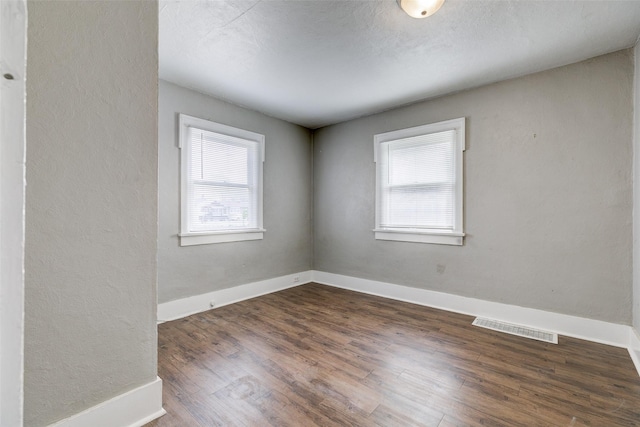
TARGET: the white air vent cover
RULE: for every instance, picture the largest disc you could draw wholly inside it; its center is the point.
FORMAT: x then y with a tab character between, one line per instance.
521	331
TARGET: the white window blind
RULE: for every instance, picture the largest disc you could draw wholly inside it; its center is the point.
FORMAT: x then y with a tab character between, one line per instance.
419	183
221	182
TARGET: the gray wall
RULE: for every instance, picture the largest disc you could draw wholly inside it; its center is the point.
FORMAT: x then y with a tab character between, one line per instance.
636	191
548	197
287	245
91	208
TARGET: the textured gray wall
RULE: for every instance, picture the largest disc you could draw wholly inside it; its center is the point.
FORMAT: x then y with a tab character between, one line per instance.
636	192
91	208
287	244
548	196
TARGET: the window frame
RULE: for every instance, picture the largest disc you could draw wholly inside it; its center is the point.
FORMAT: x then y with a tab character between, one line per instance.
424	235
190	238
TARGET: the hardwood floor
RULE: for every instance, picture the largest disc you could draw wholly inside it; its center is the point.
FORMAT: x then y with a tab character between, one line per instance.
319	356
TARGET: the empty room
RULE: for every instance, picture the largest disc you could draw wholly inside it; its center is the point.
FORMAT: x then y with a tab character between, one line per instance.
320	213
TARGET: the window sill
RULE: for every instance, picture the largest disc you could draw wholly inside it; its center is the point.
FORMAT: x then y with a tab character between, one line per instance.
418	236
192	239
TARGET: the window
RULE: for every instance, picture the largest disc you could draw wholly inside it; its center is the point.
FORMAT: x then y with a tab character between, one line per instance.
419	183
221	183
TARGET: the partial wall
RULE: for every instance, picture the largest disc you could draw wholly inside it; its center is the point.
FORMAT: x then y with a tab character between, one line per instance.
636	190
548	194
287	244
91	205
13	40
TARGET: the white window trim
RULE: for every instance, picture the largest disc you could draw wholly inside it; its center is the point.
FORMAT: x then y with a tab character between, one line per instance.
455	237
188	238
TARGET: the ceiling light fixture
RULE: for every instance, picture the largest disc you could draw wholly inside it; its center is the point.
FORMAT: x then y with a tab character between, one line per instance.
420	8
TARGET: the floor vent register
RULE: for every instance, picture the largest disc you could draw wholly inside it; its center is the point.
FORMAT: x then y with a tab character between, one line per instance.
521	331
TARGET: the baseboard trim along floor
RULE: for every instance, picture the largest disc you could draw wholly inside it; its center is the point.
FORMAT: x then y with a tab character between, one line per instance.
134	408
198	303
634	348
577	327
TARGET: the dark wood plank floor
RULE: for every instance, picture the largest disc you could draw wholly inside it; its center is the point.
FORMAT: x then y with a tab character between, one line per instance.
319	356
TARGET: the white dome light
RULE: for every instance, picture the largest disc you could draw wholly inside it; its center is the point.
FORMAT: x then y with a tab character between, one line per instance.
420	8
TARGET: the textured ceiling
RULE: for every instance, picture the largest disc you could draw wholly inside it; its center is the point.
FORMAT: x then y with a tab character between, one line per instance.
321	62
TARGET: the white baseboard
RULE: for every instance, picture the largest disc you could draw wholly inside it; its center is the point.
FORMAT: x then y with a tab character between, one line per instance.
562	324
187	306
134	408
573	326
634	348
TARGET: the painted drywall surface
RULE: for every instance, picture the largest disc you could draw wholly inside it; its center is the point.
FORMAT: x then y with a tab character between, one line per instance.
91	209
287	244
636	189
13	44
548	194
